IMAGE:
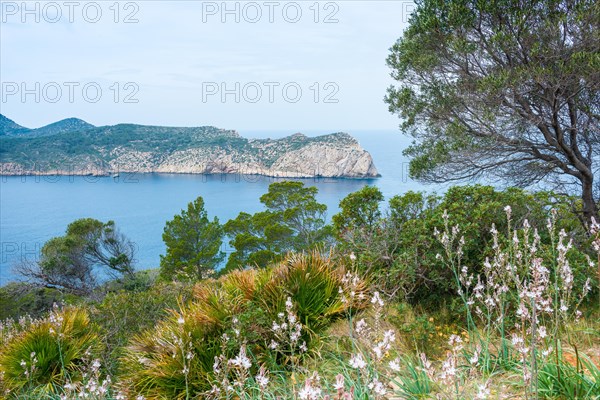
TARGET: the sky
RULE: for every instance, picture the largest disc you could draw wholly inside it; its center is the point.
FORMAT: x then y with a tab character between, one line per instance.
250	66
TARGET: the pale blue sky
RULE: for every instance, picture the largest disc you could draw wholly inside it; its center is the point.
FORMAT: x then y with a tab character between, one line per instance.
172	55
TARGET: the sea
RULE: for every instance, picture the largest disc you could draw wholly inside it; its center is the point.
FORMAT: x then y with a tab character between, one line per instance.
34	209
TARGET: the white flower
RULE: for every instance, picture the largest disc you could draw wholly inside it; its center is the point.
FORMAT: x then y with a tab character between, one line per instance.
455	342
395	365
377	387
352	256
378	351
180	320
377	299
262	378
309	392
448	370
475	358
361	325
357	361
546	352
564	307
389	336
482	393
306	393
542	332
242	360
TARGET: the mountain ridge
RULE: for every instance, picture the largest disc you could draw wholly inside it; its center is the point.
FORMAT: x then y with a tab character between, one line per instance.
8	127
72	146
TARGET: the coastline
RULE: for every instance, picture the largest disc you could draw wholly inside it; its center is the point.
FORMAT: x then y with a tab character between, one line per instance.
232	173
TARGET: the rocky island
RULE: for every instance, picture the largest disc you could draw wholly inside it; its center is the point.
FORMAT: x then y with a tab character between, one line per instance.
75	147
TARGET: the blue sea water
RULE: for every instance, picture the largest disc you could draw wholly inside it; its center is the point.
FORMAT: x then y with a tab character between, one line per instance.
35	209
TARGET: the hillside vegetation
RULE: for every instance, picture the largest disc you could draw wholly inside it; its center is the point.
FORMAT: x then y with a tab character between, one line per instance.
476	294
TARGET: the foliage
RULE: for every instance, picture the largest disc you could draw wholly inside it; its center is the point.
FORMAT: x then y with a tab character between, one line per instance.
563	380
17	299
503	89
193	244
313	282
176	357
399	251
524	299
125	313
293	221
74	262
359	216
413	383
497	306
46	354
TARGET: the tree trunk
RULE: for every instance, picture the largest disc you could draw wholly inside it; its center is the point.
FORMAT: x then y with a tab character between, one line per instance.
590	208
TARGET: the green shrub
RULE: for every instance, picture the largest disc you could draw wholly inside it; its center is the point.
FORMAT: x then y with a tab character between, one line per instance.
122	314
565	381
49	352
175	358
313	282
397	248
413	383
20	299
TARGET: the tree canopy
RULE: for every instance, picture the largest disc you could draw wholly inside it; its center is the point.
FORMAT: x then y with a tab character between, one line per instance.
193	244
89	251
293	220
502	88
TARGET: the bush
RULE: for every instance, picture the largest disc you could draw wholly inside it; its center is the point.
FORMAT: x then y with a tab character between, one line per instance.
176	357
238	311
124	313
19	299
398	249
313	282
46	354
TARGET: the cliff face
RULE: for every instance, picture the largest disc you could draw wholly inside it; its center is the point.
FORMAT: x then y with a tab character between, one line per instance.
204	150
313	160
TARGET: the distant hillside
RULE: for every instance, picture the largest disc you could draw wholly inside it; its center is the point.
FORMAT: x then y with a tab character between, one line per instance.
63	126
73	146
8	127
